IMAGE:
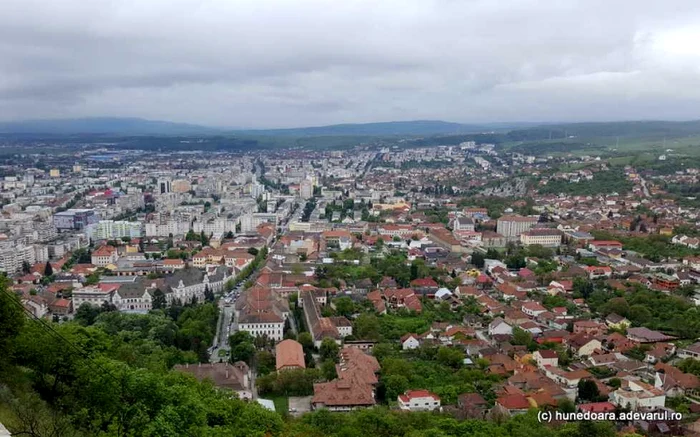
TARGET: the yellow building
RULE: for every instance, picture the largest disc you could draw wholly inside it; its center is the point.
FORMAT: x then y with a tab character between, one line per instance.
181	186
55	173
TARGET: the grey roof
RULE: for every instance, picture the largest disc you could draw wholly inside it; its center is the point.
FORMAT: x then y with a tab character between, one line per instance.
133	290
465	221
188	276
219	274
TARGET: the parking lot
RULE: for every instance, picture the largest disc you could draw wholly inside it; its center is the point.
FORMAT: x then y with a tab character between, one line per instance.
299	405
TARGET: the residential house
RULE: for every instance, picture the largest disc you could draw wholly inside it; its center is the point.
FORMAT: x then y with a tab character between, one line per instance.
235	377
637	395
513	404
410	341
589	327
583	344
418	400
472	405
690	351
646	335
499	327
616	321
674	382
546	357
598	272
533	309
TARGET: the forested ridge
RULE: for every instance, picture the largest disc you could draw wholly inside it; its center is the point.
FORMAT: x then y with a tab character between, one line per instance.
113	378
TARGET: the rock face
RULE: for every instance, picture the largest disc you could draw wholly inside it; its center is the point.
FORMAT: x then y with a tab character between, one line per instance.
515	188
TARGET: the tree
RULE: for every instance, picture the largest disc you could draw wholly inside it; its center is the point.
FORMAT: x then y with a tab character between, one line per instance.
583	287
451	357
253	251
521	337
11	320
328	370
107	307
539	251
86	314
242	352
306	341
208	294
92	278
588	390
239	337
229	235
566	406
515	261
329	350
617	305
159	301
478	260
265	362
203	238
48	269
344	306
366	327
395	385
640	314
26	267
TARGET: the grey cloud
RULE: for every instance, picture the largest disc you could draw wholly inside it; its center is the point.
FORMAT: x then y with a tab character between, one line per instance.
264	63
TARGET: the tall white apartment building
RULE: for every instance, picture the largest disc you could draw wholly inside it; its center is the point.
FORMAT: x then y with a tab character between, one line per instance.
110	229
12	258
514	225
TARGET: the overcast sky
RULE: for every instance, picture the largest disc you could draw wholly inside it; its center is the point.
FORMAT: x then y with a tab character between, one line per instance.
259	63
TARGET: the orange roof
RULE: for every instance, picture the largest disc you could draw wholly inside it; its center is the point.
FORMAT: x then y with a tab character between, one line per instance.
289	353
104	251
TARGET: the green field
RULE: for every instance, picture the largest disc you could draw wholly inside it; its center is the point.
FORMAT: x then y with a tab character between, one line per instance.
625	151
281	404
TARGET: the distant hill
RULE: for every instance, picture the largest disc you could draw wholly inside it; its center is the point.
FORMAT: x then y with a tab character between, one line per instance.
649	128
104	125
391	128
421	130
138	126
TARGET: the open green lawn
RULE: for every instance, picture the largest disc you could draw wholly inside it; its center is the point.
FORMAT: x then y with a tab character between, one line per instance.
652	145
281	404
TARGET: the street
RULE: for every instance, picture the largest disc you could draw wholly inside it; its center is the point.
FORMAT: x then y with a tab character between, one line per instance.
226	324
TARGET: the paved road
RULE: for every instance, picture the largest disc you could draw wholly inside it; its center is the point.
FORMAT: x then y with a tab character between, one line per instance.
221	339
293	323
645	190
225	326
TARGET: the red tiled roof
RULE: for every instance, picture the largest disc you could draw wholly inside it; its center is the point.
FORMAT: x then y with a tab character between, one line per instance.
289	353
514	402
412	394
